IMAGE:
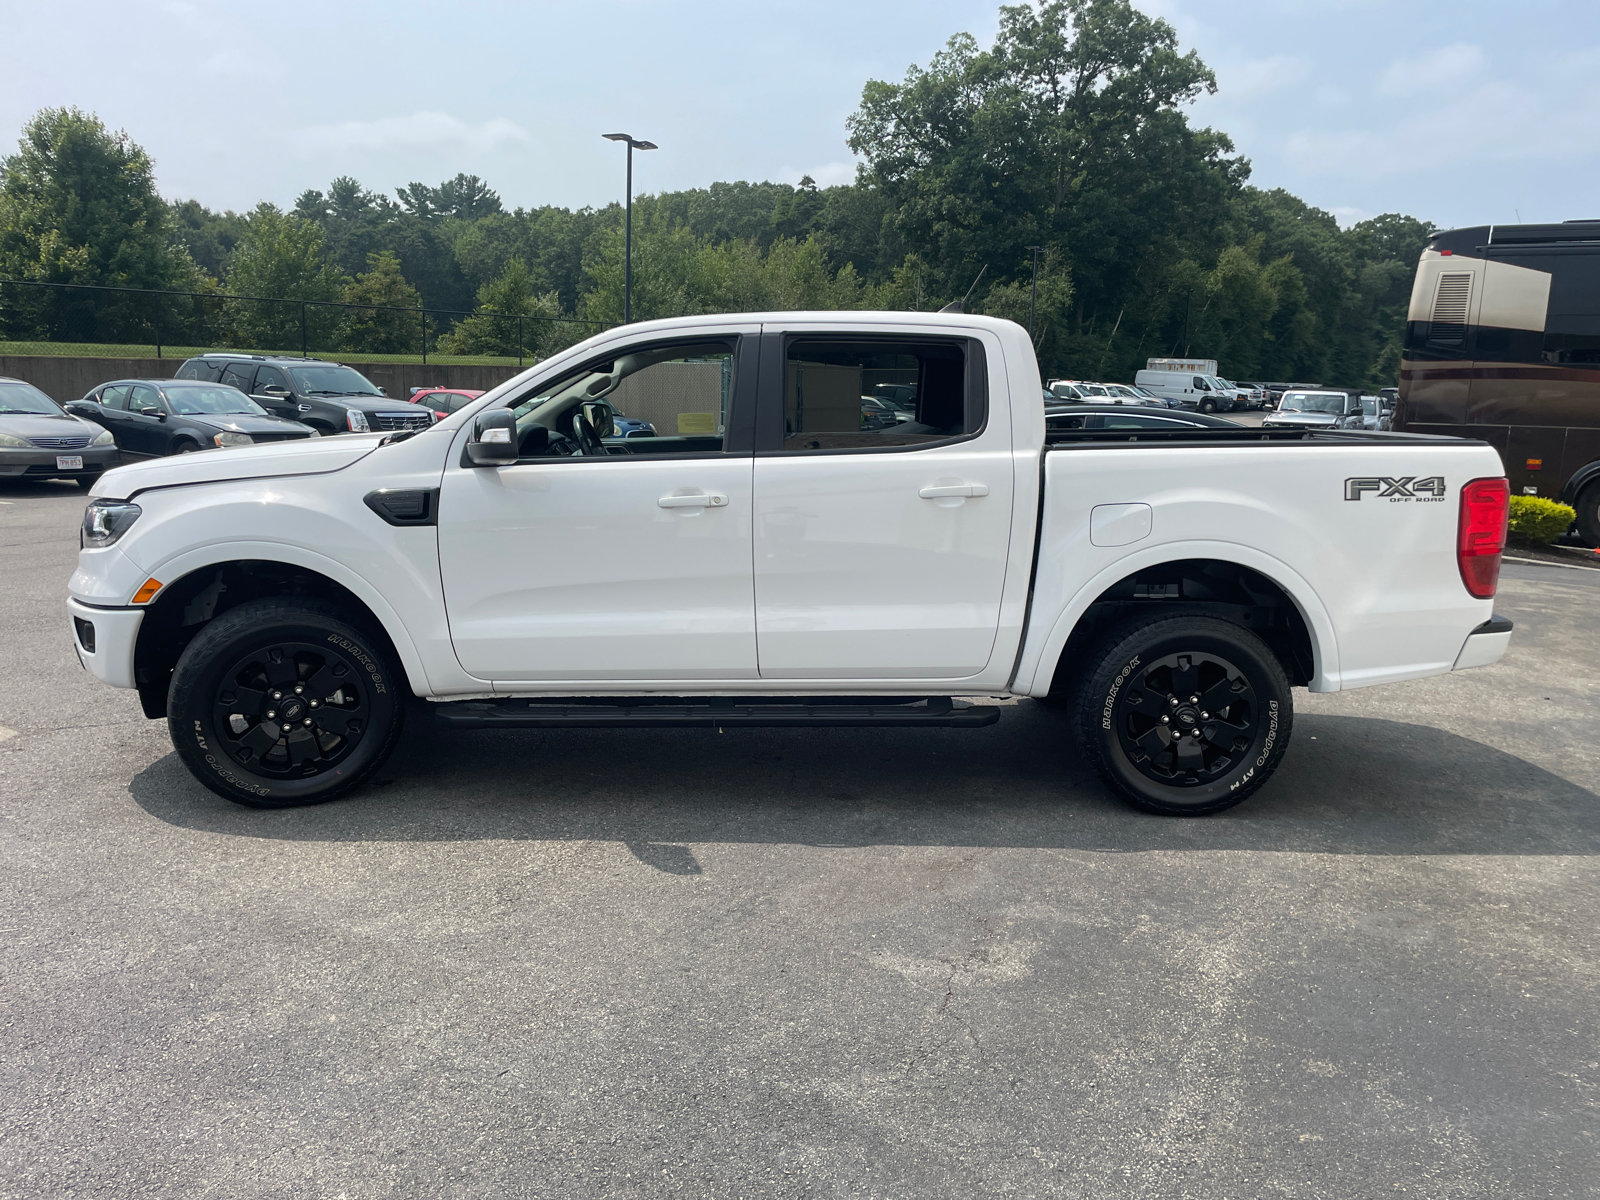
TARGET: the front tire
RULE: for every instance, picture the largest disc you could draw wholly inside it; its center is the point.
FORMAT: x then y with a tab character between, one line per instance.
1207	406
1183	715
1588	507
85	482
283	702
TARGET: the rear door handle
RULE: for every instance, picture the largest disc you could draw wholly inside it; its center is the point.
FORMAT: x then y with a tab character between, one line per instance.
954	489
694	500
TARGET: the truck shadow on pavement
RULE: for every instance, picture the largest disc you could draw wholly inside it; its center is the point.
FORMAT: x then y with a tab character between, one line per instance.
1350	785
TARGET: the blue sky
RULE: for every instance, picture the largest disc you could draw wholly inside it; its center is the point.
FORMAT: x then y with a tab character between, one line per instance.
1460	114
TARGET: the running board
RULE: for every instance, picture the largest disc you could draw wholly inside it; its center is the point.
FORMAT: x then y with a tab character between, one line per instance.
716	712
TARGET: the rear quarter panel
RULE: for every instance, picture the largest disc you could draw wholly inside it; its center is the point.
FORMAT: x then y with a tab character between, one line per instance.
1375	579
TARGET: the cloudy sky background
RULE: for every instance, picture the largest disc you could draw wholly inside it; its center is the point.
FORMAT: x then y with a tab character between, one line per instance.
1466	114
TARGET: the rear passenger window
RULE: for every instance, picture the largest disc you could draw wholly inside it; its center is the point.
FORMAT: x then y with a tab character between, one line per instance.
239	375
829	386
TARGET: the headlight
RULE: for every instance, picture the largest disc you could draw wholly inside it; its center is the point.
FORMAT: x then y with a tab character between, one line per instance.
358	421
103	438
234	439
104	521
14	443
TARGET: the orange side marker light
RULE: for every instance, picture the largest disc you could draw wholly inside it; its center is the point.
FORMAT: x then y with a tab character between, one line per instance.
148	592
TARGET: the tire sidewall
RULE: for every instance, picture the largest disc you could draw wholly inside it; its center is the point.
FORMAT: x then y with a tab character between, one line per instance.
192	714
1178	635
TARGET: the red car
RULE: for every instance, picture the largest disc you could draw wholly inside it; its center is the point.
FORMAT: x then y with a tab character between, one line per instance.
443	401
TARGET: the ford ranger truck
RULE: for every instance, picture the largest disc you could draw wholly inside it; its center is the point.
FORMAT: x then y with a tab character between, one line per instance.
769	560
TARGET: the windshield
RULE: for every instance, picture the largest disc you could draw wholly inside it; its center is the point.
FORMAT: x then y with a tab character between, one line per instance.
1219	385
1148	395
332	381
1312	402
191	400
19	398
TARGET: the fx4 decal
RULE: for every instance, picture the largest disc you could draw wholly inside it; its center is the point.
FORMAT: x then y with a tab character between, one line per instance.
1428	491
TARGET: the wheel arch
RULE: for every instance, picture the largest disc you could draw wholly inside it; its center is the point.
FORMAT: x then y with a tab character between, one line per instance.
1306	642
1581	478
206	585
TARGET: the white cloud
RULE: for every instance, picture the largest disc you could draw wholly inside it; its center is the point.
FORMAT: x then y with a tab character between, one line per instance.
420	130
1247	80
1445	67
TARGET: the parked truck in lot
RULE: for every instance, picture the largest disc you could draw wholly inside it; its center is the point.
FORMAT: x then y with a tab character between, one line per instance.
774	563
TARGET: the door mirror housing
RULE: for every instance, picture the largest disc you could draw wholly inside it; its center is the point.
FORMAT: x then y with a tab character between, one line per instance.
494	439
275	391
150	410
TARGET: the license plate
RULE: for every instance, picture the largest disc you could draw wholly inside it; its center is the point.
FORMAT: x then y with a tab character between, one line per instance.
69	462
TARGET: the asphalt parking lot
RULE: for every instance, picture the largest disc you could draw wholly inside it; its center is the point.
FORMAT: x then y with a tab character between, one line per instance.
804	963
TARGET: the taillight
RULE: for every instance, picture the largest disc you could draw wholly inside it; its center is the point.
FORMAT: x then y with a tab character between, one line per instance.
1481	537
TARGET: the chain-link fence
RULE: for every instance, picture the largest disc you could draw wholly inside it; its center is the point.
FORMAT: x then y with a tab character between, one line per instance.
57	319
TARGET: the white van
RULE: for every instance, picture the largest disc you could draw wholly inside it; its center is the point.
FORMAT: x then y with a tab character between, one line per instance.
1203	392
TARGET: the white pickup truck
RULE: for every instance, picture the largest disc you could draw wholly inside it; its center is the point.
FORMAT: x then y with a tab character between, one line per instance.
776	558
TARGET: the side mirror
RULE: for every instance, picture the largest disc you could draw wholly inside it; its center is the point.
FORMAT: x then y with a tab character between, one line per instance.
150	410
494	439
276	391
381	392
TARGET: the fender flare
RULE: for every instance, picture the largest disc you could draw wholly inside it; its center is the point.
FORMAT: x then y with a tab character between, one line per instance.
181	565
1324	641
1581	478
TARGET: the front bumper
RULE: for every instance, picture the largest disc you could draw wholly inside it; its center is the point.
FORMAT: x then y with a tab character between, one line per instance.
115	634
41	464
1484	645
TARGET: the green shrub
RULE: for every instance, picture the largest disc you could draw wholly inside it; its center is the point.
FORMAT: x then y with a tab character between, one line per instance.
1537	520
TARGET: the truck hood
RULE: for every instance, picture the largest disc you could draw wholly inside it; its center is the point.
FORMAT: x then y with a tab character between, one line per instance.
1314	420
306	456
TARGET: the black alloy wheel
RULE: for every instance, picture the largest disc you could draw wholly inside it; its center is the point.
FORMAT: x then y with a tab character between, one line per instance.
283	702
1184	715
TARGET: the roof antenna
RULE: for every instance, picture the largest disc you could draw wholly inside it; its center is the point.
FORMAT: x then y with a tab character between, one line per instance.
959	306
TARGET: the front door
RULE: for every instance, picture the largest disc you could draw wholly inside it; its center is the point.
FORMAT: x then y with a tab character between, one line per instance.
146	434
880	553
601	560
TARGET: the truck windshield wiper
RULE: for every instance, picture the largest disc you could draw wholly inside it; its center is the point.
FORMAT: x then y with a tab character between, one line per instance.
399	435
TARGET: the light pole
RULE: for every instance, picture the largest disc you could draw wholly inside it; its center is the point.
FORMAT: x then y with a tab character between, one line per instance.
627	249
1033	298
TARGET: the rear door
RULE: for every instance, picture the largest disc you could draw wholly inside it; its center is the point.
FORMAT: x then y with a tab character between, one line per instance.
879	553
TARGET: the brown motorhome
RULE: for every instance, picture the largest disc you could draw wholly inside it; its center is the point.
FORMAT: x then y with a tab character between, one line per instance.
1503	343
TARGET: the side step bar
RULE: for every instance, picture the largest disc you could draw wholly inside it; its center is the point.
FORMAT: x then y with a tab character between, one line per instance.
715	712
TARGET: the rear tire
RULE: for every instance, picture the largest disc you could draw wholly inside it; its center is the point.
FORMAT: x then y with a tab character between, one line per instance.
282	702
1216	684
1588	507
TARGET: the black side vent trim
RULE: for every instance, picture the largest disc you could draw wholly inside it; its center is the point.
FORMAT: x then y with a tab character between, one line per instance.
405	506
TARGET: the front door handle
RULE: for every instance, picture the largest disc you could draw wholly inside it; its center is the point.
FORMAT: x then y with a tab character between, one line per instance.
954	489
694	500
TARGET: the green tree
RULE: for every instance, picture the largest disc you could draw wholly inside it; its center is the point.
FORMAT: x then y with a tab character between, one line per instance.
280	260
394	324
512	320
78	205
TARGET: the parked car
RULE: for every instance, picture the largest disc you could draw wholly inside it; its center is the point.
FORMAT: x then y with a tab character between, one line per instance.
278	607
1112	416
1323	409
41	440
878	414
442	401
1066	392
1248	395
1122	393
1205	393
151	418
330	397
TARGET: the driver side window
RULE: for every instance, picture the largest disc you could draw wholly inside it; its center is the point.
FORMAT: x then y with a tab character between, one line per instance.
666	399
